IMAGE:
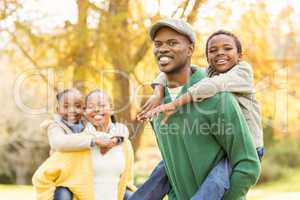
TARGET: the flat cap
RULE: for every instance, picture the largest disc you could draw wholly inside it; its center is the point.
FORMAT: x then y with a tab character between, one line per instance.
177	25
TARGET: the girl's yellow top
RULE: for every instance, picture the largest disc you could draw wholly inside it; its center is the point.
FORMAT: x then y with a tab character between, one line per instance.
74	170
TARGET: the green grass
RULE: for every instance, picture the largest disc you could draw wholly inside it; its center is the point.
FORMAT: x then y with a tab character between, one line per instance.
16	192
289	185
282	189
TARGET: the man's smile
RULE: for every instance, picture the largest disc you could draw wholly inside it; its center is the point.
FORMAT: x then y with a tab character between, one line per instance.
164	60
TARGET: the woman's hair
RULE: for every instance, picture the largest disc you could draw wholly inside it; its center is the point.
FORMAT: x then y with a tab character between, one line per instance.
223	32
112	117
61	95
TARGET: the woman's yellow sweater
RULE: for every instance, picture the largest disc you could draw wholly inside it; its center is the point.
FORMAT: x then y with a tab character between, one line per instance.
74	170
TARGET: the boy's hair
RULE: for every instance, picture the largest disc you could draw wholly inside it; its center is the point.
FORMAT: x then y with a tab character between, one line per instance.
223	32
60	95
112	117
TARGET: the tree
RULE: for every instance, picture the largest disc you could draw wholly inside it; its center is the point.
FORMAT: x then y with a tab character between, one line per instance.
101	49
115	45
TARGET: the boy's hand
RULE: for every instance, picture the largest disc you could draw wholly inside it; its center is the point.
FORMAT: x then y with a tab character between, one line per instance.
167	110
151	104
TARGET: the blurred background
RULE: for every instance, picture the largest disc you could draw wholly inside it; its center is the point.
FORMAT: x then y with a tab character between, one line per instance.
50	45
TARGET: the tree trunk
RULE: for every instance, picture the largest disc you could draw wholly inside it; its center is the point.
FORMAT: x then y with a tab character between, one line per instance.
21	173
121	96
82	53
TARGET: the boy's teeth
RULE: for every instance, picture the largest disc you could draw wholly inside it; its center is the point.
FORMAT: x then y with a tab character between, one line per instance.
221	61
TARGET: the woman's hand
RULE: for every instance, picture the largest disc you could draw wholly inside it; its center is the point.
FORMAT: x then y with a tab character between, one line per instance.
105	144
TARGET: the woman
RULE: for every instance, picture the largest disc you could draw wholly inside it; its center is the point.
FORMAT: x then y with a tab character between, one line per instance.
98	172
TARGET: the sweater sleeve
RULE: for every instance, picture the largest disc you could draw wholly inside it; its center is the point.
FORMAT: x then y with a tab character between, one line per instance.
237	142
126	180
60	141
120	130
130	177
237	80
159	80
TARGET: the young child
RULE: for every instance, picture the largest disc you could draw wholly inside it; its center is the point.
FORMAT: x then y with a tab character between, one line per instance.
226	72
66	132
69	120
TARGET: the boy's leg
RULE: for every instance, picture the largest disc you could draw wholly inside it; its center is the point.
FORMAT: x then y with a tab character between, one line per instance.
156	187
127	194
62	193
260	152
216	183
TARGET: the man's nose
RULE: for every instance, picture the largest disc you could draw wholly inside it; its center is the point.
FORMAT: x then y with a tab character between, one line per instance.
163	48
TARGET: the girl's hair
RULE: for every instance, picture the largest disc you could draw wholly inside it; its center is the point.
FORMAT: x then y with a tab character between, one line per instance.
60	95
223	32
112	117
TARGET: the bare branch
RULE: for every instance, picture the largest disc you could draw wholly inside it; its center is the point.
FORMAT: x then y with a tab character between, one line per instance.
140	53
184	8
5	12
137	79
34	63
193	14
183	5
96	8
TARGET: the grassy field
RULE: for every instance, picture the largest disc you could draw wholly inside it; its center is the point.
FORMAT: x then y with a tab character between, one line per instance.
16	192
287	188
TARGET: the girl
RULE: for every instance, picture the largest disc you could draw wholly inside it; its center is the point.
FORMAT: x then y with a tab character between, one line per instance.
77	169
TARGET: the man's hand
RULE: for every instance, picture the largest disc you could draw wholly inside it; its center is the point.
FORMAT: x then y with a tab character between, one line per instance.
167	110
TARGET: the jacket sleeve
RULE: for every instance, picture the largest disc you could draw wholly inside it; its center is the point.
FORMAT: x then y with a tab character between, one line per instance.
159	80
126	180
238	80
60	141
130	177
235	139
120	130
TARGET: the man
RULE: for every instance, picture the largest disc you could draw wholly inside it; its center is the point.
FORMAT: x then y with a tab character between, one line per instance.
199	135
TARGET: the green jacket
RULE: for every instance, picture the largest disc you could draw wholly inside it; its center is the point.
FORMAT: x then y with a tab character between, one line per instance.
198	136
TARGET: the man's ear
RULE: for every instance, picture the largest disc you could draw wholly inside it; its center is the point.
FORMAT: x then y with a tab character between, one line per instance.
191	49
